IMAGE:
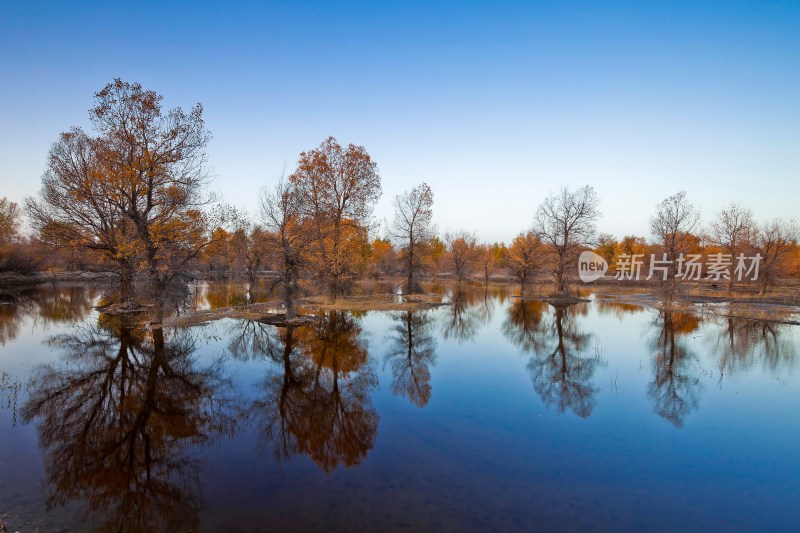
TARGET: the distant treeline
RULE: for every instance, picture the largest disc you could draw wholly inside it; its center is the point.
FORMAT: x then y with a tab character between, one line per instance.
132	197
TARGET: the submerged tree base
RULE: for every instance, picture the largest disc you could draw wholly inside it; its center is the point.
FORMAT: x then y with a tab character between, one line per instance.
556	300
280	320
377	302
127	308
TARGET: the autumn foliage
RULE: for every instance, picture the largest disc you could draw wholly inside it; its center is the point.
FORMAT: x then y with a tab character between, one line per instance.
132	197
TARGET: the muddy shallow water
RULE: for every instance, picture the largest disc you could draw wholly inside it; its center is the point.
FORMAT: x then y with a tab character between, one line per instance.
489	413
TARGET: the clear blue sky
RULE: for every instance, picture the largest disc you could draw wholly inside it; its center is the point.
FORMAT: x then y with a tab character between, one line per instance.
494	104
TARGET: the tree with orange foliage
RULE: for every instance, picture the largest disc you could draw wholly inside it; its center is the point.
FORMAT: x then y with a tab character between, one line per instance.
136	191
774	241
631	244
14	254
155	164
254	252
606	248
9	220
463	251
436	253
490	258
383	256
217	255
75	210
524	257
339	187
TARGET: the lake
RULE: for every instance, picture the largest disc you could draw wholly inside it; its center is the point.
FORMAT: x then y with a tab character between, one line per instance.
491	413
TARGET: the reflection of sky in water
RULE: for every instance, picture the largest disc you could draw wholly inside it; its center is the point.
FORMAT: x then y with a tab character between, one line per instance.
628	416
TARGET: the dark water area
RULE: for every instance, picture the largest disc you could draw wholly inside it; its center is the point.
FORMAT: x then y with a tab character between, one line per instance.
492	413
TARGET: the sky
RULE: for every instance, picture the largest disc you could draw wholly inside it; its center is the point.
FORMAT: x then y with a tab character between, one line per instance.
495	105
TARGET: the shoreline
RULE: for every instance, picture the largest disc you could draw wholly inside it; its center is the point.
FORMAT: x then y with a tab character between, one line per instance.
780	305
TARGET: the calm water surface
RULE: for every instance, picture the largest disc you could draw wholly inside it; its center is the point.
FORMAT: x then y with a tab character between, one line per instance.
492	413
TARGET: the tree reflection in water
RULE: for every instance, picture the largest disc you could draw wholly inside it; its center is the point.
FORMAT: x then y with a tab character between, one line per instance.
411	354
741	343
562	374
560	369
11	313
463	316
46	305
117	421
319	401
524	325
674	391
250	339
620	310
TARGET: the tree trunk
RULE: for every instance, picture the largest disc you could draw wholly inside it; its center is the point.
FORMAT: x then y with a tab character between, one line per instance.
125	281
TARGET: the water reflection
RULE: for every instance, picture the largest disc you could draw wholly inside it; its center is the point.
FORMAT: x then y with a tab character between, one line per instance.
675	389
486	304
250	339
562	372
10	388
215	294
44	304
123	414
741	343
618	309
10	320
523	325
411	355
462	318
116	422
229	292
560	368
319	402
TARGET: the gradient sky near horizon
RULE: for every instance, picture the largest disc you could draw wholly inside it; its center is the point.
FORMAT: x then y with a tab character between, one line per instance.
494	104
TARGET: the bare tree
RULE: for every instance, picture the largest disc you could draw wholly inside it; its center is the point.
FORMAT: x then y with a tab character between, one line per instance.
773	240
412	230
566	223
730	231
524	258
339	188
289	233
673	222
463	248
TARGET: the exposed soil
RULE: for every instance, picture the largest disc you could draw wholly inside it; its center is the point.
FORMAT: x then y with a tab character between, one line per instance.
375	302
562	300
271	313
763	309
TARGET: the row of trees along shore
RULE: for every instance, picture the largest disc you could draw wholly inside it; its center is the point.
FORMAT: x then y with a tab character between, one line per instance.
132	197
